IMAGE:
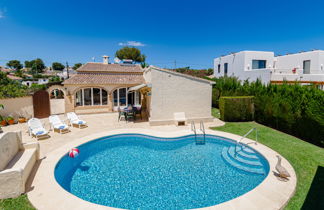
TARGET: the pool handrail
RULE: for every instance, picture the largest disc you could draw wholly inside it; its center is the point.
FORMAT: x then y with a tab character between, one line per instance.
250	131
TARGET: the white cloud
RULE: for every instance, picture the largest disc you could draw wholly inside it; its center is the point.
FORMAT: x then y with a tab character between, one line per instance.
2	13
132	43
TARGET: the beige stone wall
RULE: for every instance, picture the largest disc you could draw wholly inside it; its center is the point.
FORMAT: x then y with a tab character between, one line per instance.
22	106
172	93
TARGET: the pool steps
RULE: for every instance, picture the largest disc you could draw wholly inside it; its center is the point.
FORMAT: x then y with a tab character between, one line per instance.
244	159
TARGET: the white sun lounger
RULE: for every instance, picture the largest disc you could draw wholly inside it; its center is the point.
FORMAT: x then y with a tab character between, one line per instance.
36	128
57	124
75	120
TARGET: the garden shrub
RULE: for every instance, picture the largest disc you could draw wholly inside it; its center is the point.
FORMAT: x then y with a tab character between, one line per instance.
237	108
292	108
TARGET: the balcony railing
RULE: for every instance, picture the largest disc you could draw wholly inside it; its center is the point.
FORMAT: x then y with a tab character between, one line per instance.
296	71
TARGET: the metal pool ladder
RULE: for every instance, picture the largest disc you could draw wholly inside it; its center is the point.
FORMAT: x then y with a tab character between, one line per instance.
250	131
202	129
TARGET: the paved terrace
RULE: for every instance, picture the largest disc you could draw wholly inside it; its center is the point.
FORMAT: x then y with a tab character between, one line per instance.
97	123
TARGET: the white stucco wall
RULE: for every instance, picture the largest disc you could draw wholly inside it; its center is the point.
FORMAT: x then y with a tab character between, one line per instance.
22	106
288	62
174	92
240	65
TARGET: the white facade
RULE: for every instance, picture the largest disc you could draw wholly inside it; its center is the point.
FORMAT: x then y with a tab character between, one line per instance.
40	81
305	67
241	65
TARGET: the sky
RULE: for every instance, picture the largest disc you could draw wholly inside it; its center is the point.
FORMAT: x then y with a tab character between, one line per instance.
176	33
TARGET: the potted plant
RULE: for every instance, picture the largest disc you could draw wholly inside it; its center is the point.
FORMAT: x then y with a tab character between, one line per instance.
10	120
3	122
22	119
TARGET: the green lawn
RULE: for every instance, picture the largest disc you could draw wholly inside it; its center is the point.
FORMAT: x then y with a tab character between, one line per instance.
20	203
307	160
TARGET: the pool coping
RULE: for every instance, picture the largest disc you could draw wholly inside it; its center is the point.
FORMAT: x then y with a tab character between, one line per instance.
269	194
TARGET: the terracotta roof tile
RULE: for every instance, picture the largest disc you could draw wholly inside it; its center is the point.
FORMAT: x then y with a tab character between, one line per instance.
104	79
14	77
101	67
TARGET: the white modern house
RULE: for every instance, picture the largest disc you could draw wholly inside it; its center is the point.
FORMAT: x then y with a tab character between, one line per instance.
304	67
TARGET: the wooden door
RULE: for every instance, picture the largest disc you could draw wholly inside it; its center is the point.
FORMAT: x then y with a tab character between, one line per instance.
41	103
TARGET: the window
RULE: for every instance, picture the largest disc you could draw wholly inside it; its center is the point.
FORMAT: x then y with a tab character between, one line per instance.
104	95
225	68
306	67
87	97
123	98
96	96
79	98
259	64
91	97
218	68
116	98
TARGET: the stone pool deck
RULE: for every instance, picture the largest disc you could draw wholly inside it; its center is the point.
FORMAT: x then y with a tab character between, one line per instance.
45	193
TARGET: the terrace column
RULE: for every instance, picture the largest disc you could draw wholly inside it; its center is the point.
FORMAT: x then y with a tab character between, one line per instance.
110	102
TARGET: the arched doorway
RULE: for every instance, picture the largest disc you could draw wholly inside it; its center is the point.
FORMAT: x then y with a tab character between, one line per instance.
57	100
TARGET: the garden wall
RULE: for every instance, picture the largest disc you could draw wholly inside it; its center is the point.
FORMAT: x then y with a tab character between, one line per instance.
21	106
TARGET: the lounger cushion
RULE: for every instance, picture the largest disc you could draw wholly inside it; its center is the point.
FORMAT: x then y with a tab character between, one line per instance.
39	131
61	126
79	122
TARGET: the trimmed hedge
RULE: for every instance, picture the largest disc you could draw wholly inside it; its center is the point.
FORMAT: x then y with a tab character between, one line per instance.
237	108
292	108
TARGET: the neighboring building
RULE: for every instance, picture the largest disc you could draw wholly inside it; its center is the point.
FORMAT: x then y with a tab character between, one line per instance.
5	70
64	74
305	67
105	87
40	81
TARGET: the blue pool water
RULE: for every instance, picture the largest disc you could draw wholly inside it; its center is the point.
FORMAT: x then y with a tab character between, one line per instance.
134	171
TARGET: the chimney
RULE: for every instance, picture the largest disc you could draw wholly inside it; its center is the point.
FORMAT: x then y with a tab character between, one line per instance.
105	59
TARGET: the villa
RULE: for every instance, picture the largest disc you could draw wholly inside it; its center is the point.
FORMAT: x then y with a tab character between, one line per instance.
106	87
304	67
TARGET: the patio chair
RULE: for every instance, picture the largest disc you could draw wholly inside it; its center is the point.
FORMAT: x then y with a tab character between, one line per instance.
36	129
130	113
138	111
75	120
57	124
121	114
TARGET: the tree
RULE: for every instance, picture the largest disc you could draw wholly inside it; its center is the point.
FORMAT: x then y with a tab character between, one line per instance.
57	66
130	53
37	66
76	66
15	64
28	64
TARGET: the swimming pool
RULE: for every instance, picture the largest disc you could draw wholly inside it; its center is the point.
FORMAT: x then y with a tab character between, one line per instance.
139	171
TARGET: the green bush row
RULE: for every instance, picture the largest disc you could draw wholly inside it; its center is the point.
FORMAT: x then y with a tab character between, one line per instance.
237	108
292	108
